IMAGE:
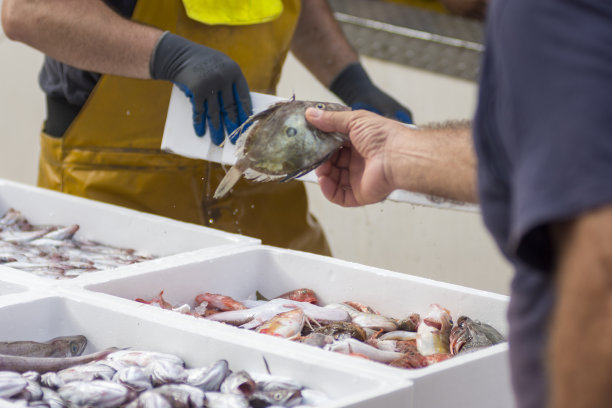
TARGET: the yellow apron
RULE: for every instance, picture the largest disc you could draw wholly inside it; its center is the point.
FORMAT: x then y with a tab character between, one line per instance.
111	151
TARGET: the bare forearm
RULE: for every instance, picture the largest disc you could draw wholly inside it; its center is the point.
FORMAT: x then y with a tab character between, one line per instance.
319	42
436	161
580	351
86	34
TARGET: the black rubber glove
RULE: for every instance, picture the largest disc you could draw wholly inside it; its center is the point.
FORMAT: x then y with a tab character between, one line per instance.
213	82
356	89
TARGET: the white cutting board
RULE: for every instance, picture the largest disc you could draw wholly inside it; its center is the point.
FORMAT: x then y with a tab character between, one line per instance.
180	138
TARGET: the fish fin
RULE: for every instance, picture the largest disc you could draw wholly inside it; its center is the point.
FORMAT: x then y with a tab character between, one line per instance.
231	178
259	177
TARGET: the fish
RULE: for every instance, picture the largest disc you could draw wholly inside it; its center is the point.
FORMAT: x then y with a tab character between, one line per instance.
166	372
434	331
208	379
11	384
98	393
279	144
287	324
220	400
156	300
124	358
134	378
301	295
399	335
239	383
221	302
258	315
46	364
182	395
149	399
471	335
352	346
282	397
52	398
374	321
410	323
341	330
65	346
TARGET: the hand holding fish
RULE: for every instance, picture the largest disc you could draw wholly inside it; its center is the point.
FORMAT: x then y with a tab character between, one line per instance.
385	155
360	174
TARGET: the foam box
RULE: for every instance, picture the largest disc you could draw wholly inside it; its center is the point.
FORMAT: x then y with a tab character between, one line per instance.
478	379
113	225
39	317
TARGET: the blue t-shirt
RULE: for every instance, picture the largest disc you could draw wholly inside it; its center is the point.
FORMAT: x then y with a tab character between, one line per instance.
60	80
543	135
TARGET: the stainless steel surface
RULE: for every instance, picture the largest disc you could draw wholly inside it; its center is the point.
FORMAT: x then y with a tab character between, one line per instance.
412	36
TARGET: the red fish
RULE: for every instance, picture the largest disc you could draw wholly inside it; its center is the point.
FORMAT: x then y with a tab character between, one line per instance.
157	300
221	302
301	295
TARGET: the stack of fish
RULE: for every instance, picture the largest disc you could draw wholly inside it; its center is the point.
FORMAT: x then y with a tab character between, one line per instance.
52	374
52	251
349	327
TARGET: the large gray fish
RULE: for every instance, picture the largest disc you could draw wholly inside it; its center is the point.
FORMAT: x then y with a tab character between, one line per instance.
65	346
279	144
471	335
46	364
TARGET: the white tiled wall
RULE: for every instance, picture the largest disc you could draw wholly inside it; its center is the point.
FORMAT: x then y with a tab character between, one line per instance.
441	244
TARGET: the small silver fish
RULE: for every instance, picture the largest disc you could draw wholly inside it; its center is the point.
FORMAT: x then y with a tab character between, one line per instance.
65	346
98	393
166	372
11	384
239	383
284	397
149	399
182	395
133	378
52	398
220	400
279	144
208	379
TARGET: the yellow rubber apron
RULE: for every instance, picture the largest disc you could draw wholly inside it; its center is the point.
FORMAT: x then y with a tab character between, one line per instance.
111	151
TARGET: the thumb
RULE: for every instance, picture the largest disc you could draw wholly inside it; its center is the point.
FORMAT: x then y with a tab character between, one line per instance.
329	121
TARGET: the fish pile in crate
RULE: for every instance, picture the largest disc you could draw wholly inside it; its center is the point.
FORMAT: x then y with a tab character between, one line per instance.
55	374
53	251
348	327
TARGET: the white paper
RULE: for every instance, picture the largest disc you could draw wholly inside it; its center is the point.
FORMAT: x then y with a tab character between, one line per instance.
180	138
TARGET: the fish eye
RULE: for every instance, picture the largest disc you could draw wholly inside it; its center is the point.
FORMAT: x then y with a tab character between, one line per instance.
320	106
291	131
277	396
74	348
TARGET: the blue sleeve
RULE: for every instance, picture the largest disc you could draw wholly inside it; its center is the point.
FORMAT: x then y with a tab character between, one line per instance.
557	66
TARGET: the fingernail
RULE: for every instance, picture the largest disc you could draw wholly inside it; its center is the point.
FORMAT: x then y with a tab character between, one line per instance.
314	112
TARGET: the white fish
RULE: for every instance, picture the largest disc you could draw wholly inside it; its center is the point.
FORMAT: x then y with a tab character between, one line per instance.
98	393
352	346
11	384
220	400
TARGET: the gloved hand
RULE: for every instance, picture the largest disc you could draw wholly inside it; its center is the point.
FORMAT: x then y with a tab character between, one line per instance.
356	89
213	82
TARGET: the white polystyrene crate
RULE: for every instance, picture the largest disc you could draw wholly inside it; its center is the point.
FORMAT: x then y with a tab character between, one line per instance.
113	225
8	288
481	377
40	317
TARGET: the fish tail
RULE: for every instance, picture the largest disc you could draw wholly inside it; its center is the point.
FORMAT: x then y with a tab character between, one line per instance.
231	178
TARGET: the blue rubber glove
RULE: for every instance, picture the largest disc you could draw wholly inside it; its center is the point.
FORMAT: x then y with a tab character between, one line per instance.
212	81
356	89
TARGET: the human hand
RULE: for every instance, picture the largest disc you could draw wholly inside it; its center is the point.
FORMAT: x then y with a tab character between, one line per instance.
360	173
356	89
213	82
